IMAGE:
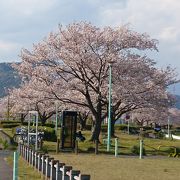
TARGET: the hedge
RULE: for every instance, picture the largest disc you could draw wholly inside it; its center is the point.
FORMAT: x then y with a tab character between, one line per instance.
9	122
8	125
49	133
39	123
121	127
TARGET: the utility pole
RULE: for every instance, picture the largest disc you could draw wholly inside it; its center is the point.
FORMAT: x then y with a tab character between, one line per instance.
109	108
8	110
168	127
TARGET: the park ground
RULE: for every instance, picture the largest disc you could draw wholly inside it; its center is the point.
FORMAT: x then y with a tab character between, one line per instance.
156	165
105	167
108	167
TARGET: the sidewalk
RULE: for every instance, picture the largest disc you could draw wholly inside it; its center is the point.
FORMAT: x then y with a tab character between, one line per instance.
6	172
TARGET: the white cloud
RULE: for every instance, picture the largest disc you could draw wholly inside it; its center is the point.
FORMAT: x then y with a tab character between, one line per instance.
9	51
170	34
159	18
150	15
27	7
7	46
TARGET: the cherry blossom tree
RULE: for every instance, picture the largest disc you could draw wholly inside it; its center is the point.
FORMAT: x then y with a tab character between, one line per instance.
74	64
174	115
5	107
27	98
138	84
147	116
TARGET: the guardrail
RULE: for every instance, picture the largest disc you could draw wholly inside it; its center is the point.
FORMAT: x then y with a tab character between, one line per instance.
49	167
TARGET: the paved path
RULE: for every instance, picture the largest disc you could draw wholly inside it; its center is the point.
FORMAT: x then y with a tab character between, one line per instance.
6	172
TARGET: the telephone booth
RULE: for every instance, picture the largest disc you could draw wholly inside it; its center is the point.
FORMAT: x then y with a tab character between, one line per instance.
68	130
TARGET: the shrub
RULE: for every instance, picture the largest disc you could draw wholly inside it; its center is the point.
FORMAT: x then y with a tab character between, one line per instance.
44	149
146	127
5	144
10	122
40	124
88	127
159	135
49	135
9	125
26	123
136	150
50	125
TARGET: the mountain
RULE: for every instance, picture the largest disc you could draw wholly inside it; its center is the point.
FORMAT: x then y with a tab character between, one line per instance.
8	78
174	89
177	105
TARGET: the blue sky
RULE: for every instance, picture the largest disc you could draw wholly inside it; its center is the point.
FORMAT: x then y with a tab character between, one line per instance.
24	22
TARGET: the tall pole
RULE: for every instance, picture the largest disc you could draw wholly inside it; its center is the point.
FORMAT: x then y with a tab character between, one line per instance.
15	166
56	126
109	108
36	147
29	118
141	149
128	126
168	127
8	109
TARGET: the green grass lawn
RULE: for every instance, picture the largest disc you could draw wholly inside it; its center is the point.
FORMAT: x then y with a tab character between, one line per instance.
126	142
24	170
107	167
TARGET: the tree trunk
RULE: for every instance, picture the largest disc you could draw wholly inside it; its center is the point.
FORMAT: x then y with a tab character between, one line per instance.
22	118
43	120
112	128
83	125
96	131
82	120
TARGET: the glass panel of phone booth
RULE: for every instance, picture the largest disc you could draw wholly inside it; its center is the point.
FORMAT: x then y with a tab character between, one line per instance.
69	130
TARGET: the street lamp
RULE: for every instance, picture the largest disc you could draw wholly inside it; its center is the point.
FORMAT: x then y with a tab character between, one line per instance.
109	107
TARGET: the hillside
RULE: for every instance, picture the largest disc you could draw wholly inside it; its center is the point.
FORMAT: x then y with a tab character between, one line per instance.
177	102
8	78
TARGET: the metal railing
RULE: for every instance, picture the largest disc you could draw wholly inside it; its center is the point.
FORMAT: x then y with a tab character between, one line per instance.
49	167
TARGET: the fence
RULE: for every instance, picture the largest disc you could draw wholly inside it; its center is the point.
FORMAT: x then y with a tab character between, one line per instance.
51	169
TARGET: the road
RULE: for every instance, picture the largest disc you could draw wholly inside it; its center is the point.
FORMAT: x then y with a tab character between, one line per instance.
6	172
